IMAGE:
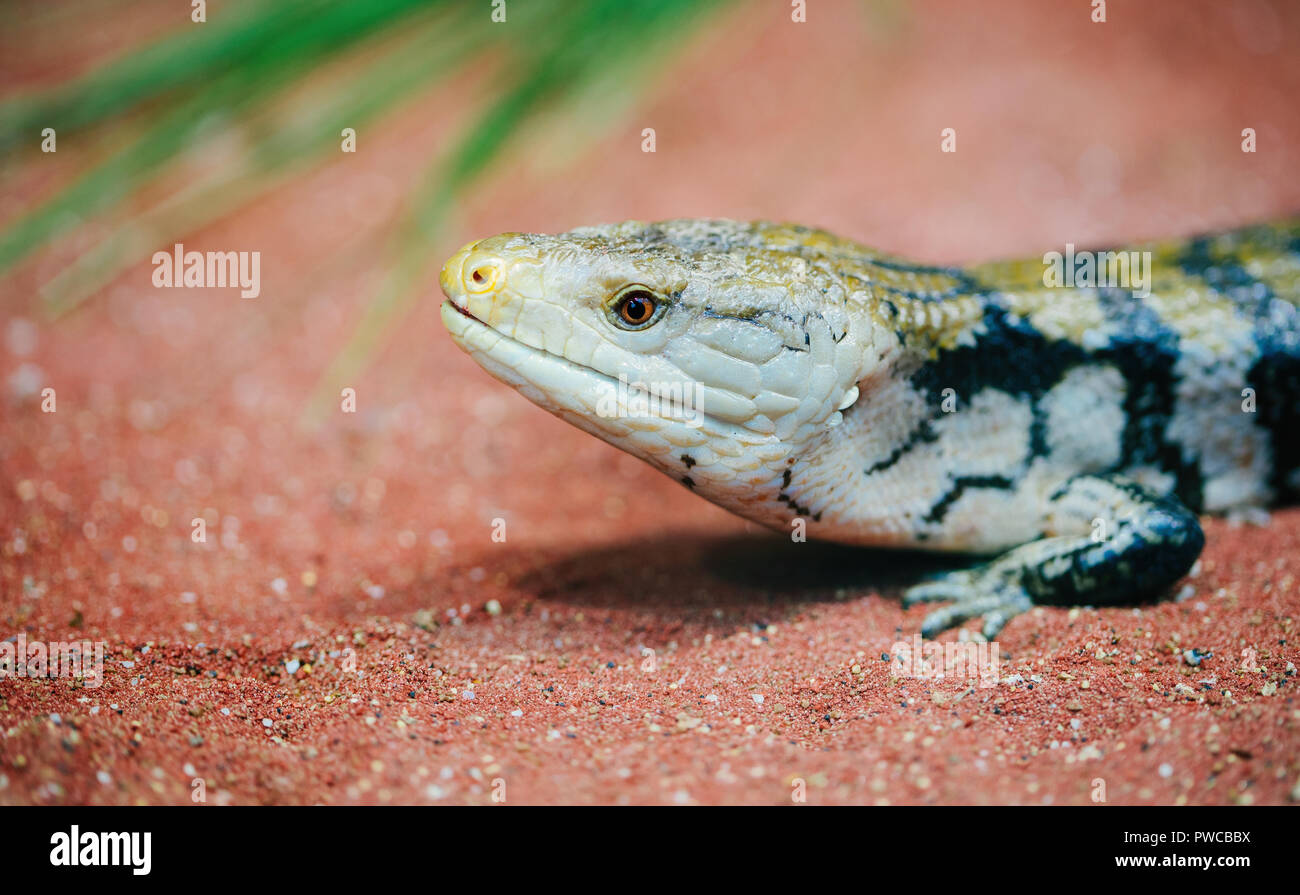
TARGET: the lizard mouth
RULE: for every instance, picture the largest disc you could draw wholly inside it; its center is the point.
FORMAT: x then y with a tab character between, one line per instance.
464	312
553	380
485	342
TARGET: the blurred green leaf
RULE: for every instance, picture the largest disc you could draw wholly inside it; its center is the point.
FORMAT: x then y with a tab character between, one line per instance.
159	105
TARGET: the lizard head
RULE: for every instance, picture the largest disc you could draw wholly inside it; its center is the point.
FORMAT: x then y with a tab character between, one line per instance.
714	350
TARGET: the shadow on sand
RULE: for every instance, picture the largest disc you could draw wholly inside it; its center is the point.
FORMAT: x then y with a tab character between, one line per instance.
687	569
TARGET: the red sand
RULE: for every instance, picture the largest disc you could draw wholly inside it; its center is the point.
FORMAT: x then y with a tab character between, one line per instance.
472	660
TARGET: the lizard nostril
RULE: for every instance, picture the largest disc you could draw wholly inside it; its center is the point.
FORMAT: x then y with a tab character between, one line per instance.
452	278
482	275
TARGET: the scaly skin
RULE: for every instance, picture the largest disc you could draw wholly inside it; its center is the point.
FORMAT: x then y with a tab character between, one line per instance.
874	401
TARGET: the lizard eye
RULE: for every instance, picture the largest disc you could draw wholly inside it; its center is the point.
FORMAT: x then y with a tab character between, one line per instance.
635	307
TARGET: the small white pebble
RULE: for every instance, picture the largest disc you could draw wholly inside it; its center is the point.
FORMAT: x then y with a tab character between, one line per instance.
1166	770
758	698
517	713
266	722
103	777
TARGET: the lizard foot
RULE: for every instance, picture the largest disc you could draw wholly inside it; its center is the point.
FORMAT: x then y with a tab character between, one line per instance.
1126	545
985	593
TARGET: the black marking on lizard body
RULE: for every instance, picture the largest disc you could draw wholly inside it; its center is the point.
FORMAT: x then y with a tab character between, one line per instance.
1275	377
1010	356
1160	550
796	507
902	266
964	285
1145	351
1152	537
924	433
720	315
786	476
1228	275
1275	374
959	486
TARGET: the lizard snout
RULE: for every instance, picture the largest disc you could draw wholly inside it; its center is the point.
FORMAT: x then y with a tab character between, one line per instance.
470	272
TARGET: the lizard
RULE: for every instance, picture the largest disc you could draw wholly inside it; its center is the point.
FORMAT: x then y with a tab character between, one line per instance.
1065	432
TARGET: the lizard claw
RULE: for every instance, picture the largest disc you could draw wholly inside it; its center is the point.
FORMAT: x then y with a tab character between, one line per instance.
941	588
975	593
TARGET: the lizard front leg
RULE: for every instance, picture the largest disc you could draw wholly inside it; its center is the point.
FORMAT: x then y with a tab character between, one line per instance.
1106	540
